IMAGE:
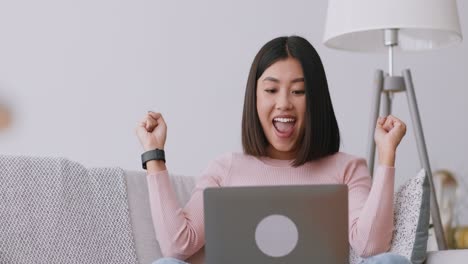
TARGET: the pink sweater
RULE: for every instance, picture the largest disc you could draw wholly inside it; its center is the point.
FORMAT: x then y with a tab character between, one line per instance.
180	230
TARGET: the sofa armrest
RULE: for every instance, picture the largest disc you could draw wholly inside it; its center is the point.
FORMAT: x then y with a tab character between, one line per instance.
455	256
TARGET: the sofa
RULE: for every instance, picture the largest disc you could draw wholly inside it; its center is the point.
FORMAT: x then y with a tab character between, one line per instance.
141	235
147	244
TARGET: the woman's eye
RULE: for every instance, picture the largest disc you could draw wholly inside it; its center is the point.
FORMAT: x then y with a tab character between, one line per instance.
270	90
299	92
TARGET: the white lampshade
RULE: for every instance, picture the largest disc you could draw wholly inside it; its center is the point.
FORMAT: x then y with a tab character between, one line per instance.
357	25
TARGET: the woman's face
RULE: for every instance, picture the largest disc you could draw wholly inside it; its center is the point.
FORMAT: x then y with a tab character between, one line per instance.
281	106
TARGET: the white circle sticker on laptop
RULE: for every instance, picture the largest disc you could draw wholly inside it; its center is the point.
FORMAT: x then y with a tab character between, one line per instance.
276	235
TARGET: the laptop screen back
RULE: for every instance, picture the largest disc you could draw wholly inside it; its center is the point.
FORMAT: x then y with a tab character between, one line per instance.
277	224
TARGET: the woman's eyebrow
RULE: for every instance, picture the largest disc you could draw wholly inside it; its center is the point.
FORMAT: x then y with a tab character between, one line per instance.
300	79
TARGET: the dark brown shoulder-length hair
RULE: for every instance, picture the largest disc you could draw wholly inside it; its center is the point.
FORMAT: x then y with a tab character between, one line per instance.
321	135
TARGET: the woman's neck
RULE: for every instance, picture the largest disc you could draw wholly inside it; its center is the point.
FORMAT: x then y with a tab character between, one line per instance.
280	155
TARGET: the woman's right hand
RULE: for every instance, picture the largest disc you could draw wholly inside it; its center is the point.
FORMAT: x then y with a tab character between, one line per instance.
151	131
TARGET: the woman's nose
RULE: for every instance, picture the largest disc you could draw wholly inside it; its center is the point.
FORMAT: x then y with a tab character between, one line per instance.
283	102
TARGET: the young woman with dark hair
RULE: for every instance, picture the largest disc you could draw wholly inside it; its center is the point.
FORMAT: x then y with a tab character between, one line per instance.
289	133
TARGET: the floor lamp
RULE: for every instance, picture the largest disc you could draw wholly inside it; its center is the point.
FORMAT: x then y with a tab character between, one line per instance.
386	25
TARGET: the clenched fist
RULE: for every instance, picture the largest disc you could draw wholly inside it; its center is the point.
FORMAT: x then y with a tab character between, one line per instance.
151	131
389	131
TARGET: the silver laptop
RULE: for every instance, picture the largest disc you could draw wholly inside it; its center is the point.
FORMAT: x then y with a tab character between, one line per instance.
277	224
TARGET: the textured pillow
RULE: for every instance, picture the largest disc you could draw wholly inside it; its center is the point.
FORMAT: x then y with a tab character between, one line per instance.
411	218
412	208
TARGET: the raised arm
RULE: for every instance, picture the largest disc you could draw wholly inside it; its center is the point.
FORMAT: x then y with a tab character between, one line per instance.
179	230
371	204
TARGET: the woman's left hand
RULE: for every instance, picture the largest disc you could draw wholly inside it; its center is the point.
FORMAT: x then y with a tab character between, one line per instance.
389	131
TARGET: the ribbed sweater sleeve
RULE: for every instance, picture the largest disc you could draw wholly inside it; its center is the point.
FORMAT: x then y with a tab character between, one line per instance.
180	231
370	208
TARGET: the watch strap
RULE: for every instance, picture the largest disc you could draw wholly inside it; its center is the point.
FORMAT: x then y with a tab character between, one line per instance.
155	154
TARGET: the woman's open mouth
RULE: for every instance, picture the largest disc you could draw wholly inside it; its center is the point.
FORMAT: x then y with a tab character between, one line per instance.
284	126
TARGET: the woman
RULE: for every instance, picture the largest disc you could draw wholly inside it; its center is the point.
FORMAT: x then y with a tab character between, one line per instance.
290	136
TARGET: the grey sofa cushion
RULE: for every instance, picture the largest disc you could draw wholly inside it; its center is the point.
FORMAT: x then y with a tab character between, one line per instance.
147	247
54	210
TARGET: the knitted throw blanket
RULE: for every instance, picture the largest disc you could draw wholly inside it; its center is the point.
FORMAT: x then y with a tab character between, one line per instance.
53	210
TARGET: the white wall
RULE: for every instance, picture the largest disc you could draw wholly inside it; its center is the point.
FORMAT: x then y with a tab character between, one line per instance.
80	74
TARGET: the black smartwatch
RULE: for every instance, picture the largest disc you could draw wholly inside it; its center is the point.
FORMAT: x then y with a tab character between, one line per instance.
155	154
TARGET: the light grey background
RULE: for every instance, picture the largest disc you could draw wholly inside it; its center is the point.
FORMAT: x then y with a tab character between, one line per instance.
79	75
